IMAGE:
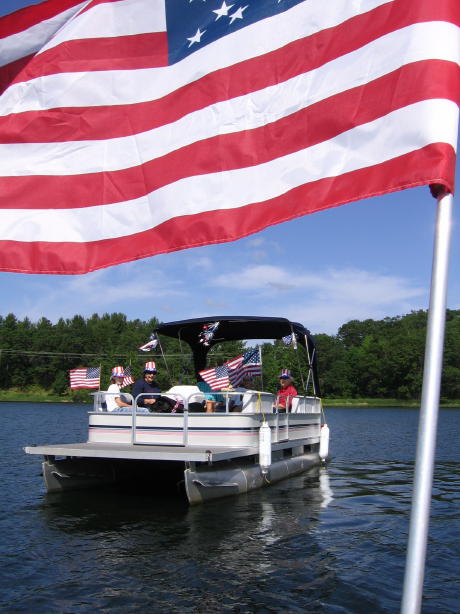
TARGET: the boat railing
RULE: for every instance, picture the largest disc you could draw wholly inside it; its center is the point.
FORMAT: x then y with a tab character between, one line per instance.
183	426
250	401
100	400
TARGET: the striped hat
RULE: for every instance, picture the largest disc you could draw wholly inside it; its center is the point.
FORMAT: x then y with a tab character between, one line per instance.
285	374
118	372
150	367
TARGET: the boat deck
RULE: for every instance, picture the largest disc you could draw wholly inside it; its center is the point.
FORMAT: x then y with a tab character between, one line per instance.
141	452
153	452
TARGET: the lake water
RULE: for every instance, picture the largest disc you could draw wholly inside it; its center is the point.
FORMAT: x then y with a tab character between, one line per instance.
331	541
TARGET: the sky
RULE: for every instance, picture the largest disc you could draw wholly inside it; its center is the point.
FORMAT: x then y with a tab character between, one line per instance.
369	259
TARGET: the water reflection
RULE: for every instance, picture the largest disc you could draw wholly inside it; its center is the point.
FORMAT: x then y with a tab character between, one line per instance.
239	554
325	488
114	510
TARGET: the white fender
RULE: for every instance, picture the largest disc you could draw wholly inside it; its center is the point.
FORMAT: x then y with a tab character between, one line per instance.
265	448
324	442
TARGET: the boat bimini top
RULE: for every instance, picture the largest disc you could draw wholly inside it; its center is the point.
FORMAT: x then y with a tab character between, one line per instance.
239	328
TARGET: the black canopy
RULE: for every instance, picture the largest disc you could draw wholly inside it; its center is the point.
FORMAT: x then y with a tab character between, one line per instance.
235	328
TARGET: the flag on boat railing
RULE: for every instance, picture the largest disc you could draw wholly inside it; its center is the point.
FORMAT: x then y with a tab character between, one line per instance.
85	377
131	128
232	372
150	345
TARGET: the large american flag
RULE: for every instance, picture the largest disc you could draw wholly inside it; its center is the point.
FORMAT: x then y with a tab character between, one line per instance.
135	127
232	372
85	377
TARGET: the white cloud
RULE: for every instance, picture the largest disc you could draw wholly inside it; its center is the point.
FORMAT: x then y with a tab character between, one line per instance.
258	277
106	290
212	303
255	241
261	247
325	300
204	263
259	255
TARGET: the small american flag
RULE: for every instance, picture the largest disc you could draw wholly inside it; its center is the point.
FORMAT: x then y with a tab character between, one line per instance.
216	377
128	379
247	364
150	345
290	340
233	371
85	377
209	330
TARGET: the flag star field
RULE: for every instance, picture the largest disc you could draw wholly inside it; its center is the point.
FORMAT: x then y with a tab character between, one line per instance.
193	25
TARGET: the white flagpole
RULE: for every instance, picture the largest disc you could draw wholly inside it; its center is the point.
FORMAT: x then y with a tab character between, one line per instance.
426	441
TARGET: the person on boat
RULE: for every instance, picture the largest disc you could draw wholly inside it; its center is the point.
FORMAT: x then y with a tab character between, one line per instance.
213	402
115	400
239	402
147	384
286	392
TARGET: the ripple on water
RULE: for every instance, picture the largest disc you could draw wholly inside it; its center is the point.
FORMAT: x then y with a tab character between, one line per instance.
331	542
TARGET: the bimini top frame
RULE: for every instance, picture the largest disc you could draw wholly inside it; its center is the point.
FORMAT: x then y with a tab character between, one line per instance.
238	328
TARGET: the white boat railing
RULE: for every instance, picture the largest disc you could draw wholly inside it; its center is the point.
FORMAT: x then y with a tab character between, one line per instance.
250	403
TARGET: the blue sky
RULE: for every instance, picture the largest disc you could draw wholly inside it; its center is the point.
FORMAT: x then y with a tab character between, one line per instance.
368	259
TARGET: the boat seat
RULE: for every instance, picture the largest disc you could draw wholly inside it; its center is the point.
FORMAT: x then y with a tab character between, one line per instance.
192	393
300	405
253	404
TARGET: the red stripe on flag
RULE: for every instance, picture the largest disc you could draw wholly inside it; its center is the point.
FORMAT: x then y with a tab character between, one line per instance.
10	71
228	225
29	16
319	122
116	53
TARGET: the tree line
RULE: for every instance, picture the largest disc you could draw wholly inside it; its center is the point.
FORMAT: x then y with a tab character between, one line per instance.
366	359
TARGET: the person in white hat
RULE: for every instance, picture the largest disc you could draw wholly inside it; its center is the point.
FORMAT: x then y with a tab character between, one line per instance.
113	400
147	384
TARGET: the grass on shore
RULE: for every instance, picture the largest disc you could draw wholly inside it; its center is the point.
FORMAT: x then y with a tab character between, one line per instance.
37	395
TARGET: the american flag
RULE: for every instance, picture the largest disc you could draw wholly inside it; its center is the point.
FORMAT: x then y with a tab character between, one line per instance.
290	340
85	377
128	379
207	333
247	364
150	345
162	125
232	372
216	377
